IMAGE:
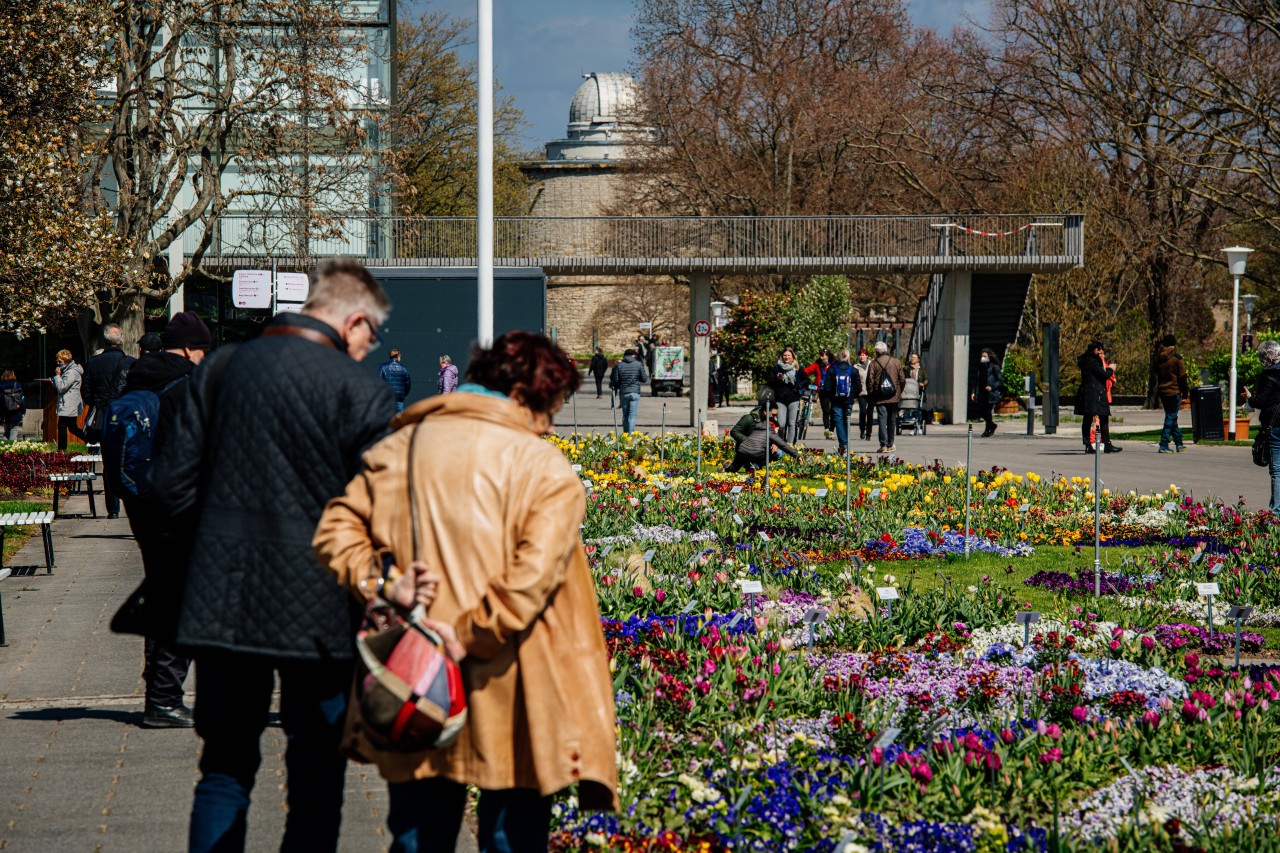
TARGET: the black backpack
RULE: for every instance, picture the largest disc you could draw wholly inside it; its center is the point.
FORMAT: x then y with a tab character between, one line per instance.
13	398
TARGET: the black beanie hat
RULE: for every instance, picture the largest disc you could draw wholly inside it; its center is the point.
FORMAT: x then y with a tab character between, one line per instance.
150	342
186	330
1169	341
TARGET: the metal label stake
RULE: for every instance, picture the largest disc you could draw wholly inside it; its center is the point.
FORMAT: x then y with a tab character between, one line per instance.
968	488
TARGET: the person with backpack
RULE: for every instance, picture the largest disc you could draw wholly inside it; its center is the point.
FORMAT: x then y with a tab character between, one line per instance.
841	385
13	405
101	375
885	381
157	384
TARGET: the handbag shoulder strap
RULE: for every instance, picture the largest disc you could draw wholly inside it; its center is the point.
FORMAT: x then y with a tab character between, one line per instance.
413	492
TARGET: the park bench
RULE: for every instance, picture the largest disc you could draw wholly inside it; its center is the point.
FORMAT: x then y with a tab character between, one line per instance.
43	518
74	478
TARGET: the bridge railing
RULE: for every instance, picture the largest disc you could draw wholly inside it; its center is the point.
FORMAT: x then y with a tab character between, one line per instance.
658	243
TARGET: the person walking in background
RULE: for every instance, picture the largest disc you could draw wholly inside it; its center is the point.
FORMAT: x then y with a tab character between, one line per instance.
1093	398
447	377
396	375
916	371
185	341
885	381
864	400
722	382
516	602
627	377
1171	382
13	404
988	388
789	385
68	379
817	373
841	385
598	368
102	382
253	461
1266	401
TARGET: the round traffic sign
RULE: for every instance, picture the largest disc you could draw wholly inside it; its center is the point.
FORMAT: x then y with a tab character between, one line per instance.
702	328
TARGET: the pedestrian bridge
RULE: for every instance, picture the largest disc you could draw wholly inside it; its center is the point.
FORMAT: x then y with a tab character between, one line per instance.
981	264
666	245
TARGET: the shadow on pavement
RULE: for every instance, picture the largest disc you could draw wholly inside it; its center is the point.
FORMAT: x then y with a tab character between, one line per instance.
115	715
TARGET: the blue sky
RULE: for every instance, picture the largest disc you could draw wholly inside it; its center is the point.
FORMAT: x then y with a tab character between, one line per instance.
543	47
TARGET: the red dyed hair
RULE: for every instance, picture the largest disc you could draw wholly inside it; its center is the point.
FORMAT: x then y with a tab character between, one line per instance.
530	362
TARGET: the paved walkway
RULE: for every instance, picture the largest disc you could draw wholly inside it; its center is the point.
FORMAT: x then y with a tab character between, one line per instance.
1223	472
77	773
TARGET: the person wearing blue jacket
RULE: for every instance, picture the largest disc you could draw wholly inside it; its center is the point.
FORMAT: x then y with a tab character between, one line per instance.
397	376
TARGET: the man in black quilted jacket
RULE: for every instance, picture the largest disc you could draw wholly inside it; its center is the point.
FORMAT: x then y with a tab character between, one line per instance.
260	445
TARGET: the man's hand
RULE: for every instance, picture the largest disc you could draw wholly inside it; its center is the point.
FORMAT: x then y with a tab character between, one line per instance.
456	650
417	586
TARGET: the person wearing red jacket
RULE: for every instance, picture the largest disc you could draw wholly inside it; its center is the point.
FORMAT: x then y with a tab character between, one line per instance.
817	373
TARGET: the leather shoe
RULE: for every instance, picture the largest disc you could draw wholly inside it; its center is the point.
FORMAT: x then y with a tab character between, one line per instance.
179	717
1111	448
112	515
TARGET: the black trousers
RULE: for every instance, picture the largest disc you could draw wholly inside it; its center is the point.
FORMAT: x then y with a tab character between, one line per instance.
600	385
1104	429
828	422
864	422
165	669
985	409
67	424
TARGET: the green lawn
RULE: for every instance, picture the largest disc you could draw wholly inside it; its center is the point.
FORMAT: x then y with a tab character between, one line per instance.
1154	435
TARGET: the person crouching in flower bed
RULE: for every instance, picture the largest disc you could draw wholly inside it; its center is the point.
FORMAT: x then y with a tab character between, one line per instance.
498	515
758	436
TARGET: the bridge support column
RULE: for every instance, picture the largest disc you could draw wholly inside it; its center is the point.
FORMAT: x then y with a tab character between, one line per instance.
947	360
699	347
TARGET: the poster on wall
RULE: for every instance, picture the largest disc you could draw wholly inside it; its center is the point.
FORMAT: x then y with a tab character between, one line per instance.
251	289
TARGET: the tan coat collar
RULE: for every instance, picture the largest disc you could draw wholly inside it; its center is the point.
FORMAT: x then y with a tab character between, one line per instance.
463	404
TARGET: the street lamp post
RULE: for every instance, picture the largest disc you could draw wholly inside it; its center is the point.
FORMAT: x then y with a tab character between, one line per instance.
1237	258
1247	302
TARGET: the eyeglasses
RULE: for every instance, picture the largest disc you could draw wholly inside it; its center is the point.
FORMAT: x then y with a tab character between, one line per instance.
375	340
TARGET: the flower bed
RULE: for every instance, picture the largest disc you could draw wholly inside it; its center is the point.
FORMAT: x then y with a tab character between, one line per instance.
819	715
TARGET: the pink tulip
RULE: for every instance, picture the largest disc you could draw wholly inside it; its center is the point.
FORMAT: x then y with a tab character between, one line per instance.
1152	718
660	596
1054	731
1080	713
1051	757
1006	735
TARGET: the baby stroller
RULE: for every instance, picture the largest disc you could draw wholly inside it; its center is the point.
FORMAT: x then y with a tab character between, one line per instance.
911	414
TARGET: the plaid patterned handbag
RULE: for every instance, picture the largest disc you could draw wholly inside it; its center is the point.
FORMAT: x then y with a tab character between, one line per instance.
410	692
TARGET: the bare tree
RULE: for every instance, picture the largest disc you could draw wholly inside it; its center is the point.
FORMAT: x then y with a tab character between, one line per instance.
220	105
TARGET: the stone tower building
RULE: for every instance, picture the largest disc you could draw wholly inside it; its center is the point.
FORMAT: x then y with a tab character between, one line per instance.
581	176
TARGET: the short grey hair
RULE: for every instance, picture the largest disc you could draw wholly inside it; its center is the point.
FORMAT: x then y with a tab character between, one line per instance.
843	355
1269	351
881	347
111	334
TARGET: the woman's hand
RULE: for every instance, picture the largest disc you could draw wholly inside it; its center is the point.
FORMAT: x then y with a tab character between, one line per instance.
417	586
456	650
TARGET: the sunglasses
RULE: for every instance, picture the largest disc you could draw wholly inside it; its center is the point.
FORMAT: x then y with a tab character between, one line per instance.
375	340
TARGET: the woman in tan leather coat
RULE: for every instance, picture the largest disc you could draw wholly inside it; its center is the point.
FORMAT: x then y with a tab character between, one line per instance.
499	510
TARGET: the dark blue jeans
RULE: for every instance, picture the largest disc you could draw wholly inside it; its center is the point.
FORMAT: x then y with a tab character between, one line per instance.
426	814
1171	428
841	409
233	700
